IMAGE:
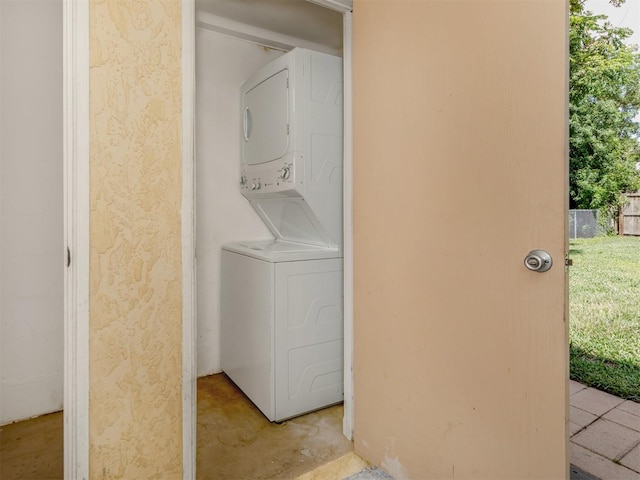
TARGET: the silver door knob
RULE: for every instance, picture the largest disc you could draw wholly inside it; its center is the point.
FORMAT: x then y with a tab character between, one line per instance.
538	261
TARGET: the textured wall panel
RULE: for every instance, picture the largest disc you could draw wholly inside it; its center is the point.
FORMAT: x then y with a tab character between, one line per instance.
135	271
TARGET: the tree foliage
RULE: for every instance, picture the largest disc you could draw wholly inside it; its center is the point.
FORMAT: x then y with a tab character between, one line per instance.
604	98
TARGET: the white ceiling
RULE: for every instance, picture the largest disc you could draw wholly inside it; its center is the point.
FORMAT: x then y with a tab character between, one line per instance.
295	18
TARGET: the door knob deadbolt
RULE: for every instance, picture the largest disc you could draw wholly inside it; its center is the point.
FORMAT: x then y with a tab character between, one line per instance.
538	261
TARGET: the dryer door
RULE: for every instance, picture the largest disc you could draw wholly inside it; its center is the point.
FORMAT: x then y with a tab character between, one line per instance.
265	120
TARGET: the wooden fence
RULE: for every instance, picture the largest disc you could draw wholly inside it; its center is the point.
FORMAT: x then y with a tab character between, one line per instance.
629	221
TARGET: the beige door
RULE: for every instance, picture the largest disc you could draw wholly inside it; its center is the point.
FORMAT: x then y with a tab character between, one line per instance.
460	355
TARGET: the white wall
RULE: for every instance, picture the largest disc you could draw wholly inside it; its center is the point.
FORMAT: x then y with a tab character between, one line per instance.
222	215
31	210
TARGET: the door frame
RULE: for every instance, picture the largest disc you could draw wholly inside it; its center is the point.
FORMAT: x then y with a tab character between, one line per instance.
280	41
188	222
76	237
347	215
76	233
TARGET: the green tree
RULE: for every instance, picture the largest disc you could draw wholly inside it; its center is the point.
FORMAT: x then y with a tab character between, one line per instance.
604	98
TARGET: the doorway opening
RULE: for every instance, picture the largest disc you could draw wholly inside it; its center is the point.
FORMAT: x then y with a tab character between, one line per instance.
234	40
604	238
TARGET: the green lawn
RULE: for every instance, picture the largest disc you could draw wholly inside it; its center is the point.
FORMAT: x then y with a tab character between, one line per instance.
604	291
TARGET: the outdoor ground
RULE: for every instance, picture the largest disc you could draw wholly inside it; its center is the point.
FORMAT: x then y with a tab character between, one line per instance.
604	292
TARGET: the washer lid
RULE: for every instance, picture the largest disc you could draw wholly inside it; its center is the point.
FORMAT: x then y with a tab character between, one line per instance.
290	219
279	251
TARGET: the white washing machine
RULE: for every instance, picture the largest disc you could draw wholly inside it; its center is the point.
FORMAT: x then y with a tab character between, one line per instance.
283	344
281	298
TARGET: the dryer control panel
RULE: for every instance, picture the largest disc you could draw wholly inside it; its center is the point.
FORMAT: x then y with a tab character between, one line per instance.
274	177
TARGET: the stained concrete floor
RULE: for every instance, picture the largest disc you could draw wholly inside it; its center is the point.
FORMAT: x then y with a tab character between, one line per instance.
234	440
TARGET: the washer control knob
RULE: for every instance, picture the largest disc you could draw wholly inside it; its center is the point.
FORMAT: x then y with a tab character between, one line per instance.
243	180
255	186
285	173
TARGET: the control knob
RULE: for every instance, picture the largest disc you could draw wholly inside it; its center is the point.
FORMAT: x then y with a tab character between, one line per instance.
285	173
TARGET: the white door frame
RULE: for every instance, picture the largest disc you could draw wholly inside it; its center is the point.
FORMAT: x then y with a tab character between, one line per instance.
189	320
76	228
76	237
347	194
188	175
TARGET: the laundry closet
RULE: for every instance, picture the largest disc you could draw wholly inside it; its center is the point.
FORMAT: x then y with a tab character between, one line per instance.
269	221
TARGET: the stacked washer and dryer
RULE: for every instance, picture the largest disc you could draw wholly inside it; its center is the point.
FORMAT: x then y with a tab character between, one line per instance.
281	299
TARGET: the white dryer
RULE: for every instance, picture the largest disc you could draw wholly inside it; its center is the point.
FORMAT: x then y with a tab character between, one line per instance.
281	299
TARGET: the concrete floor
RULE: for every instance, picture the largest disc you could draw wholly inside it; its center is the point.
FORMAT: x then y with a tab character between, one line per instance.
235	441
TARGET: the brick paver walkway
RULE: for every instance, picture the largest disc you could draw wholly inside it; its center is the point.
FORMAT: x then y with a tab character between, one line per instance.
605	433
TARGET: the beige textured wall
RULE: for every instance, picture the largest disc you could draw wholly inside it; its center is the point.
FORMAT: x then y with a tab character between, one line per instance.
460	138
135	268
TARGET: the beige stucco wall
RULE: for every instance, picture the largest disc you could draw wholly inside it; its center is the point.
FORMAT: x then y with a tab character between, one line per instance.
135	268
460	138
